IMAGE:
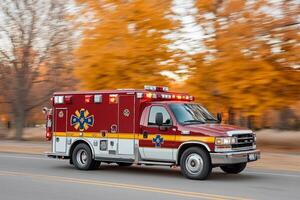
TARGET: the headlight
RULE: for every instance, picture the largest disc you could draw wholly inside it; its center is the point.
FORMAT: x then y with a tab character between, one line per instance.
225	140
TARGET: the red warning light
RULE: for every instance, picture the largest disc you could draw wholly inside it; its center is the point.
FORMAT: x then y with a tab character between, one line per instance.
113	98
149	95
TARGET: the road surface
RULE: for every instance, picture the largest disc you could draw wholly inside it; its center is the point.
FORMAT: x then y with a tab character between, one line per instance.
36	177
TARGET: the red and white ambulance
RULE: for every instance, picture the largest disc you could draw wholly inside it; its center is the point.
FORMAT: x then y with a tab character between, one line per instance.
146	127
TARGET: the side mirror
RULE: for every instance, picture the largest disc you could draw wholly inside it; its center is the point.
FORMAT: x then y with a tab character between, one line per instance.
219	117
45	110
159	119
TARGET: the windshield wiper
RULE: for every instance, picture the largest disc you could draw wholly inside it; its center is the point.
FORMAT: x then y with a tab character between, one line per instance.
211	119
194	121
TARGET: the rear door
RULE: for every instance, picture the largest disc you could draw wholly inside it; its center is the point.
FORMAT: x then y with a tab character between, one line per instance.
126	124
60	129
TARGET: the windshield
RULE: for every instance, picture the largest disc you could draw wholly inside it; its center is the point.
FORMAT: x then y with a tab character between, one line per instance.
191	114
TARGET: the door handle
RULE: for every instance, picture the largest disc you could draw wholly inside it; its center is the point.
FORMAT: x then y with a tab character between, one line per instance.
145	134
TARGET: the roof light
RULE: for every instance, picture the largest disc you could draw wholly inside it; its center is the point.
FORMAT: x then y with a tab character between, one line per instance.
139	95
166	96
156	88
58	99
68	99
179	97
150	87
113	98
165	89
88	98
97	98
149	95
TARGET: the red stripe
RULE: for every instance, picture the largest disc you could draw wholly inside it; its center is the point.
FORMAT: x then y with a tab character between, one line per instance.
168	144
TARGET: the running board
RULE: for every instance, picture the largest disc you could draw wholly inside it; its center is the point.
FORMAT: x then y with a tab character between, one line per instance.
155	163
109	159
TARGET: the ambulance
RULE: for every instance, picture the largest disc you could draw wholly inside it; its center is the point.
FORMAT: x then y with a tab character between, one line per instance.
149	126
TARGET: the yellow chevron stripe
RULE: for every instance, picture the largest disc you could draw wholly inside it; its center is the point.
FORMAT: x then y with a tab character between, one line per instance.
183	138
176	138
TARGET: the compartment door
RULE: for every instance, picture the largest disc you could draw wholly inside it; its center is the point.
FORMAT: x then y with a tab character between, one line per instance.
61	121
126	124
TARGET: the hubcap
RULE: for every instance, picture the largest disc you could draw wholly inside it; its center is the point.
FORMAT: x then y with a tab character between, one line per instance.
82	157
194	163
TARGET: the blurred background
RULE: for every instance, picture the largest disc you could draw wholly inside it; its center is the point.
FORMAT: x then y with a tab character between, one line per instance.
240	57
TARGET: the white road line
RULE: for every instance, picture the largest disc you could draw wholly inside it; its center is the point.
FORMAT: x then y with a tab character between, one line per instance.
24	157
273	174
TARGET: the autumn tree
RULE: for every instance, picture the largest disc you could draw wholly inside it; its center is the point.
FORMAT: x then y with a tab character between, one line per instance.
35	46
251	63
125	44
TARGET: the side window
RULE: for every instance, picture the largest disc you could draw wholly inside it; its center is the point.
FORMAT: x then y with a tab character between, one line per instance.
159	109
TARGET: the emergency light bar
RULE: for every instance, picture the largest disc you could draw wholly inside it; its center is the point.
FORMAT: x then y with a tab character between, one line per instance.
156	88
164	96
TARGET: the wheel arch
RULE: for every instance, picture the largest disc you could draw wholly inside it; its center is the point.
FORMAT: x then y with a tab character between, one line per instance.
189	144
79	141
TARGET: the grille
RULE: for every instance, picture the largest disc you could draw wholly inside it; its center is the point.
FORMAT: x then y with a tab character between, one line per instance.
245	141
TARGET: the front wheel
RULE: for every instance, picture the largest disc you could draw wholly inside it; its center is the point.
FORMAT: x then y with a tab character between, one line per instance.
195	163
234	168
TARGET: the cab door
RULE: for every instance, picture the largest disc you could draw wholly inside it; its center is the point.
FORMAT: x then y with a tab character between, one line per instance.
158	142
60	144
126	125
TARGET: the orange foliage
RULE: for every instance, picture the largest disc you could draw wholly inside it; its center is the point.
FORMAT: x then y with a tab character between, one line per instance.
245	73
125	46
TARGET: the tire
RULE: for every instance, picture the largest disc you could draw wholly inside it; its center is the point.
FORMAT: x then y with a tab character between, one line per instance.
123	164
82	158
234	168
195	163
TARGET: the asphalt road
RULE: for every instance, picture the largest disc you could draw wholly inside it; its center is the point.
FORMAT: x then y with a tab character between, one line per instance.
36	177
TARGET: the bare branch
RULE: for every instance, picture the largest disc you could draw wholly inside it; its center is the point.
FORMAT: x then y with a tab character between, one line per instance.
40	101
5	55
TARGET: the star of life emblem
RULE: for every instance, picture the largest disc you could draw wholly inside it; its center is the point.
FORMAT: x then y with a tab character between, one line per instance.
126	113
82	120
158	140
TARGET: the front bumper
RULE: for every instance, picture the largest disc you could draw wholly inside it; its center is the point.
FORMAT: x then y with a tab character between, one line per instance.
234	157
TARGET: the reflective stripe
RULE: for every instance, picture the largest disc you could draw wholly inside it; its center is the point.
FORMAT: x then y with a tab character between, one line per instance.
177	138
182	138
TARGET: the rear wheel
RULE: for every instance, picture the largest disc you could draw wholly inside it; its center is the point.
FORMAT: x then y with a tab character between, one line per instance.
82	158
234	168
195	163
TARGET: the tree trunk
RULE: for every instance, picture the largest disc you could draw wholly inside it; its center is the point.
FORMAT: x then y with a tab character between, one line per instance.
250	120
231	116
20	123
20	105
